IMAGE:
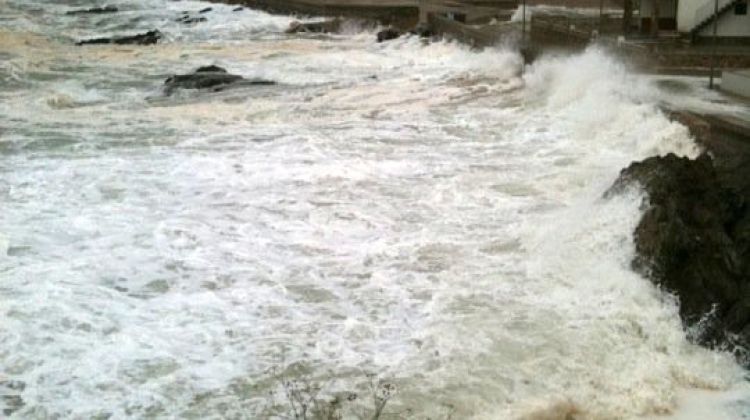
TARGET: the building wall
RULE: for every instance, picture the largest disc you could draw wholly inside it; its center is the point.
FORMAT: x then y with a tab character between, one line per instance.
666	8
730	25
686	13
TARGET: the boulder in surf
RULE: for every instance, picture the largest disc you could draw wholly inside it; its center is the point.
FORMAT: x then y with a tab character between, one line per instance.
327	26
212	78
94	11
148	38
693	240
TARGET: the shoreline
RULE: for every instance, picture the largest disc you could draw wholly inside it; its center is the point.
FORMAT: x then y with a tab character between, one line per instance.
402	14
413	210
548	28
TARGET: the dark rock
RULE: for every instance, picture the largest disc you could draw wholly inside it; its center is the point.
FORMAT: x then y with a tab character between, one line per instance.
187	19
388	34
213	78
210	69
328	26
694	241
728	143
12	385
12	403
238	9
423	31
94	10
206	10
148	38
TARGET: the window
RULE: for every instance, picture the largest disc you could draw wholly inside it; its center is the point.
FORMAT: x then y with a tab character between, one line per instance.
740	8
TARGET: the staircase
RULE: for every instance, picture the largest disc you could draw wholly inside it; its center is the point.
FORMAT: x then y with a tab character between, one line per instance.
705	15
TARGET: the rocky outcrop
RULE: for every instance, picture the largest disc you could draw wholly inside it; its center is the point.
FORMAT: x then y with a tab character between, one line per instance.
148	38
694	241
327	26
188	19
94	10
212	78
388	34
10	397
422	30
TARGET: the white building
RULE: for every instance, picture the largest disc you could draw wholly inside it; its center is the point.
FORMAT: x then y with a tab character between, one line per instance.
695	18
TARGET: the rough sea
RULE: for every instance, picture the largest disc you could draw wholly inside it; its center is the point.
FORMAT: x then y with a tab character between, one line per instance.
416	216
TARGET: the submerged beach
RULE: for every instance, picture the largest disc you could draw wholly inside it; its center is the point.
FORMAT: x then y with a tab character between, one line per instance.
413	213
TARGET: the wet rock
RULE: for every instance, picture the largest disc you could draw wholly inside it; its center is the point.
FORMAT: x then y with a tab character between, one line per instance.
423	31
206	10
238	9
388	34
328	26
9	398
694	241
94	10
210	69
12	404
12	385
148	38
213	78
188	20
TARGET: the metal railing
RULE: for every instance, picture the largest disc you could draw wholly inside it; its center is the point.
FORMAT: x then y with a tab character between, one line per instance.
706	12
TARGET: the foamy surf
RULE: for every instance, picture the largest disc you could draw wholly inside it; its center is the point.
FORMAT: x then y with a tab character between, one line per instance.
424	213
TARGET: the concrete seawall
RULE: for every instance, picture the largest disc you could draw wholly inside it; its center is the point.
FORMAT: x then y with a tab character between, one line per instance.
736	82
399	13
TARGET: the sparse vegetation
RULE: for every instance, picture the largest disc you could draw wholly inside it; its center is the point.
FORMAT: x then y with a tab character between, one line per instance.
304	398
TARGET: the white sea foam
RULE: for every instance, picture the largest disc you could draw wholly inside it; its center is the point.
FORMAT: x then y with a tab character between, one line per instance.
423	212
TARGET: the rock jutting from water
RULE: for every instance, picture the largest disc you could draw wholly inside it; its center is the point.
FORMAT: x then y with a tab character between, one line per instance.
421	30
328	26
213	78
694	241
188	19
148	38
10	396
388	34
94	10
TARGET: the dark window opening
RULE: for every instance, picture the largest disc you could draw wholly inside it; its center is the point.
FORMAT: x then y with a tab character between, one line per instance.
740	8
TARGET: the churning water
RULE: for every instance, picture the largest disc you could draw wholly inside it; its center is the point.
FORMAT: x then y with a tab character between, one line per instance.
427	214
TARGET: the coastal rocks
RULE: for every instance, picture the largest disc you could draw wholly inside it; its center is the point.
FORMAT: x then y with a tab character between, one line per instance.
190	19
694	241
10	400
148	38
94	10
207	77
187	19
423	31
325	27
213	78
388	34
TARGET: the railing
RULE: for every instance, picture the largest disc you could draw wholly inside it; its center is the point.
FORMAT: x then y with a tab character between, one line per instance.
707	11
